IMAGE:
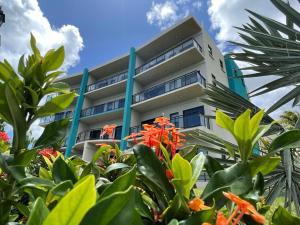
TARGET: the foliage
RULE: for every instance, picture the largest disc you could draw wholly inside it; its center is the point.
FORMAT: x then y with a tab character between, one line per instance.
272	48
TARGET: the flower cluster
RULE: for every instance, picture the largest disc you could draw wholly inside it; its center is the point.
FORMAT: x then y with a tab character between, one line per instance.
243	207
48	152
160	132
4	136
108	130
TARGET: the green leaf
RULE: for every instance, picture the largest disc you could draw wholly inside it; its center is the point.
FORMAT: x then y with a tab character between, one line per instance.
56	104
289	139
36	182
53	133
189	152
38	213
200	217
141	207
242	134
281	216
197	164
62	172
58	87
236	179
264	165
122	183
178	209
54	59
212	165
151	169
116	166
182	170
100	151
254	123
33	46
61	188
24	158
224	121
73	207
118	208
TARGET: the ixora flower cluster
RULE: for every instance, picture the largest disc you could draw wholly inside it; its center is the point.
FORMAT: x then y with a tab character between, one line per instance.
48	153
161	132
4	141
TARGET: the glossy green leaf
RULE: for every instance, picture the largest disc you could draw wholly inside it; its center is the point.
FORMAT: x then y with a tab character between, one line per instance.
56	104
36	182
100	151
33	46
188	152
224	121
73	207
182	170
200	217
24	158
62	188
117	208
177	209
62	172
212	165
53	133
255	122
197	164
122	183
141	207
236	179
282	216
151	169
289	139
58	87
116	166
264	165
54	59
38	213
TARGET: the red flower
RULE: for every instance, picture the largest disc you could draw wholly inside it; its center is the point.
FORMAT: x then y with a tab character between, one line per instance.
109	130
4	136
169	174
221	219
48	152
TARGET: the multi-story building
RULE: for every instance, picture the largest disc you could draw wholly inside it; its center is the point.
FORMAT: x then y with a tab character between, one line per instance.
165	76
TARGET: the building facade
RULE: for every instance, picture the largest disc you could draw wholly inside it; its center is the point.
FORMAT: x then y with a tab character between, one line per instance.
164	77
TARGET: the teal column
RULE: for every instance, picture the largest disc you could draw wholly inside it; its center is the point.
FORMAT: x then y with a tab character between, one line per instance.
76	114
128	99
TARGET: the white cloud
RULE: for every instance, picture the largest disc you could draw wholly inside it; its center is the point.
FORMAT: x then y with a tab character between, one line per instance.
164	15
25	16
226	14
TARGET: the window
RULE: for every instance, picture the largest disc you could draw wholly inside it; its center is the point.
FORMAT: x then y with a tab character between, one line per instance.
191	117
210	50
214	79
174	118
118	132
95	134
221	65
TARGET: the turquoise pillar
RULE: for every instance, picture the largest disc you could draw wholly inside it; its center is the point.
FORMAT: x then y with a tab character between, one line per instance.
128	99
76	114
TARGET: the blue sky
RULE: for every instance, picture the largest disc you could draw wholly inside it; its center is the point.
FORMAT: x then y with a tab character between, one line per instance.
110	28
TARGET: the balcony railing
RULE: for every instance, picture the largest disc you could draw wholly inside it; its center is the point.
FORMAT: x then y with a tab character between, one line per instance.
95	134
183	121
106	107
168	86
108	81
56	117
169	54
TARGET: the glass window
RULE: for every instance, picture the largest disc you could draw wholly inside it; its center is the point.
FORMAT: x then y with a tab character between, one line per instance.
169	54
99	109
210	50
118	132
109	106
191	117
174	118
121	103
187	44
95	134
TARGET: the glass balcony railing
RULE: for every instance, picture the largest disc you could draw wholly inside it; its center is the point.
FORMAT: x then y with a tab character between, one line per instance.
106	107
108	81
95	134
168	86
56	117
169	54
183	122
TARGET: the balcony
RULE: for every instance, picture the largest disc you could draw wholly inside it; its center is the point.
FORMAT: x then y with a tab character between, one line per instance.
108	110
173	91
95	134
180	56
185	122
108	86
58	116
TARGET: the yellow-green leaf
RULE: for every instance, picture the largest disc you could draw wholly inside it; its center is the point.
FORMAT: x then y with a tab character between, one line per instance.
225	121
255	121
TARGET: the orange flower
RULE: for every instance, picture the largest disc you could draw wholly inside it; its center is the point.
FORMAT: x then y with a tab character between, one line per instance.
133	136
221	219
163	121
109	130
169	174
48	152
206	223
197	204
243	207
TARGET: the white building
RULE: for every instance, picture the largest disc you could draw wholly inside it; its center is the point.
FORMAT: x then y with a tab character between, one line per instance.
165	76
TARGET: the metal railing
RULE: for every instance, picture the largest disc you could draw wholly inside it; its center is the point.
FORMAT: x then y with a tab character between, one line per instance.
106	107
168	86
108	81
169	54
182	121
56	117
